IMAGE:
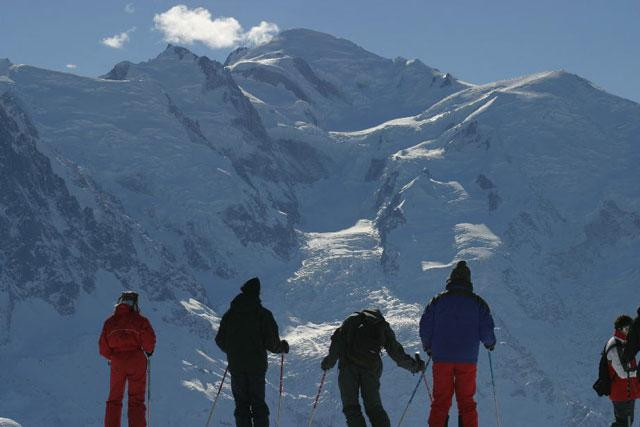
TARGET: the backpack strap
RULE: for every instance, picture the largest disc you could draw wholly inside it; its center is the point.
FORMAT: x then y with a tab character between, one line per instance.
607	349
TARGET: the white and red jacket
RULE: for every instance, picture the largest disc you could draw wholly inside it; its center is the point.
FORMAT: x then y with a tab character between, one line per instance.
624	385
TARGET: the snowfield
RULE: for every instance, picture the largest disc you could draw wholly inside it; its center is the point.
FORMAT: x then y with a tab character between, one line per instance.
344	181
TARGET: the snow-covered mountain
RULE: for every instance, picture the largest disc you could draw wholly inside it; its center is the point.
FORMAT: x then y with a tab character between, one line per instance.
333	83
343	180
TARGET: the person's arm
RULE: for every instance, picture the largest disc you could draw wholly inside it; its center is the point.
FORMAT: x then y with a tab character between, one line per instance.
487	335
270	335
335	349
148	337
396	351
221	336
103	344
426	328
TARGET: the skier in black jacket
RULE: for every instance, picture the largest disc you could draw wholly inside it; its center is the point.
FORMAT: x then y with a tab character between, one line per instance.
357	345
247	331
633	341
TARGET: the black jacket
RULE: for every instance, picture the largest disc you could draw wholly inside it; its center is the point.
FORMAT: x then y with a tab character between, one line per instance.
633	341
247	331
339	349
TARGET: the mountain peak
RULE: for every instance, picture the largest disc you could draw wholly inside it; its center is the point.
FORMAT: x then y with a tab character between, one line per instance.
307	44
559	82
173	52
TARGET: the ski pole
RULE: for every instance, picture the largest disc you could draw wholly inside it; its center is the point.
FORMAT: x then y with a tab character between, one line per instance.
426	383
315	403
628	396
215	400
404	413
148	391
281	388
412	394
493	383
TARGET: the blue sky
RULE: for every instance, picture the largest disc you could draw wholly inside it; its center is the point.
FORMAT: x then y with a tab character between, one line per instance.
477	41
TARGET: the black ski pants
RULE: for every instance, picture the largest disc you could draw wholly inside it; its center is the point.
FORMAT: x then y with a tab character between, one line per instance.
623	411
248	393
354	380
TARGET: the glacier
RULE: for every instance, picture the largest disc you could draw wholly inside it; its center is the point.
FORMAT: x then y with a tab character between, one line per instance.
343	180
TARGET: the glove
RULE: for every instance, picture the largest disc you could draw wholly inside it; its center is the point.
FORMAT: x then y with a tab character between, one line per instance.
417	365
490	347
148	353
326	364
284	346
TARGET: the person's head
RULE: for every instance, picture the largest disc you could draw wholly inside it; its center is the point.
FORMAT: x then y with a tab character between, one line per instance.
129	298
460	273
623	323
251	287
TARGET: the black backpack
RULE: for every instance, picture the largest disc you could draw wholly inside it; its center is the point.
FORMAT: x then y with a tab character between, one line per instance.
365	338
602	386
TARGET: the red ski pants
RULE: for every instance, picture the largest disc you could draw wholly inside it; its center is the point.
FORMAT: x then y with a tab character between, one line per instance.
127	367
447	378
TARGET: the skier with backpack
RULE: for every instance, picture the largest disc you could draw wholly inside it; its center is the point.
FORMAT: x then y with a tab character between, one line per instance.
247	331
356	345
127	341
621	381
451	328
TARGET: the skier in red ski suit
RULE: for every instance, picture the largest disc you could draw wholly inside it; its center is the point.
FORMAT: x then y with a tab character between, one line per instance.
126	337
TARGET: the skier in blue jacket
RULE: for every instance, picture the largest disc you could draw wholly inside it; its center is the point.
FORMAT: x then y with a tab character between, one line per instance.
451	329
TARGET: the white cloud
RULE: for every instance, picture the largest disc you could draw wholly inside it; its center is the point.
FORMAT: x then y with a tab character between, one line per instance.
262	34
129	8
118	40
187	26
71	66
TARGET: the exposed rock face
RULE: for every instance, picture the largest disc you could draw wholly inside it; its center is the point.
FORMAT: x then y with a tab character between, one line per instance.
51	248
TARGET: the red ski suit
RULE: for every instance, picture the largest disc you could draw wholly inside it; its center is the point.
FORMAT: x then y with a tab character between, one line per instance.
125	338
447	379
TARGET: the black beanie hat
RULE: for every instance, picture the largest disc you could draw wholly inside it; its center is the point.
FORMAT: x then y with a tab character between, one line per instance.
251	286
460	273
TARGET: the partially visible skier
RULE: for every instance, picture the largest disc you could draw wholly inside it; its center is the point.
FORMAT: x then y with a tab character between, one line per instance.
127	340
357	344
624	381
247	331
633	340
452	327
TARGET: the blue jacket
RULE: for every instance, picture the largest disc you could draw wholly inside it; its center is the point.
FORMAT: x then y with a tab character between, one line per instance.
454	323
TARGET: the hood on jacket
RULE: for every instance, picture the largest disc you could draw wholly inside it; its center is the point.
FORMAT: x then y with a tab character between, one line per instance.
245	302
251	287
373	314
123	308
